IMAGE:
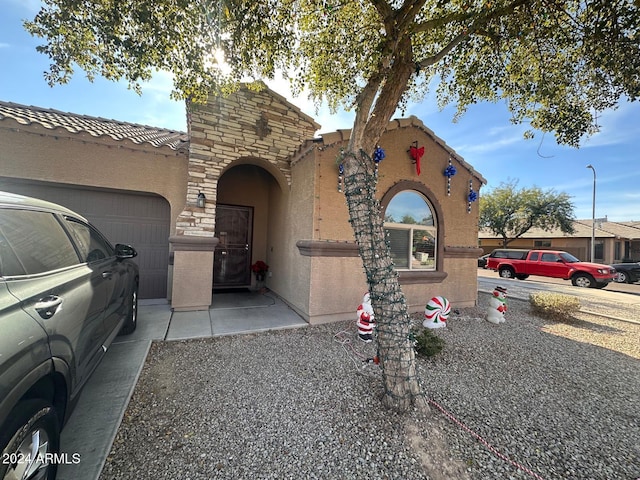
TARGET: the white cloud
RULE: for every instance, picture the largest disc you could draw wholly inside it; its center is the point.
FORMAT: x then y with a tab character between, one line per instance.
616	126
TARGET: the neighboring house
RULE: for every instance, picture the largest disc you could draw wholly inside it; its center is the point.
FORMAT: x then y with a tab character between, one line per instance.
254	184
615	242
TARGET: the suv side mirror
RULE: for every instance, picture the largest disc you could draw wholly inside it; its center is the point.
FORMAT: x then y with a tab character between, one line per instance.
125	251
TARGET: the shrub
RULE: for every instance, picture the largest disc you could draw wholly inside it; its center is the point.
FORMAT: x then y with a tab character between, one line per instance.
427	343
556	306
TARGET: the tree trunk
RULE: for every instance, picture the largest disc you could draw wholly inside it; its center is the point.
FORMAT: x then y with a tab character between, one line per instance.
396	353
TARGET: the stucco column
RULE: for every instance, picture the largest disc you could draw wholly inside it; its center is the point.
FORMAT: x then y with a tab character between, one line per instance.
192	282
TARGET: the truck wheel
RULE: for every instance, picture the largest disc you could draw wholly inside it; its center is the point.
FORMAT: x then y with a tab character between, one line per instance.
522	276
506	272
583	280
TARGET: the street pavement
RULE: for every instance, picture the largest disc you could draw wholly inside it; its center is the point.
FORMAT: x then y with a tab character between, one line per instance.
616	300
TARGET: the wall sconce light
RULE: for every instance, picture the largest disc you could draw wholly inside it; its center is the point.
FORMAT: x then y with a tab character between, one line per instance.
201	200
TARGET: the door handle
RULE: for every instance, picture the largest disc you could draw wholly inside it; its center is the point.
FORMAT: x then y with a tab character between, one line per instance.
48	306
107	274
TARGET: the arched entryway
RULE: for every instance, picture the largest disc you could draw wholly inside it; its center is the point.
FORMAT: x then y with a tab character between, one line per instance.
247	199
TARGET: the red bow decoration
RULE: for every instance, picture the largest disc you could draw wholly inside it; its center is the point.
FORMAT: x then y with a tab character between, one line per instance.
416	153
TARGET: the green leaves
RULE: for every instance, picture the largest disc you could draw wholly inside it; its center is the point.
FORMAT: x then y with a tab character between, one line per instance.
555	64
510	213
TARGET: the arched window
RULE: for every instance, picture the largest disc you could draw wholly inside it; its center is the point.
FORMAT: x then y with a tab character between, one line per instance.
411	231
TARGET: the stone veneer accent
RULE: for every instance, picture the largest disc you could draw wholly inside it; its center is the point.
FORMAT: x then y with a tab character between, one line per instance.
254	127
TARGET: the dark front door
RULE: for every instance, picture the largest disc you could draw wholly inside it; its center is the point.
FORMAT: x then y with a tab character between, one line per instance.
232	257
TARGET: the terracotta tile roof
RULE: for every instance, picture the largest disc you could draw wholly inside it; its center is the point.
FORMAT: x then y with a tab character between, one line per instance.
617	229
623	230
95	126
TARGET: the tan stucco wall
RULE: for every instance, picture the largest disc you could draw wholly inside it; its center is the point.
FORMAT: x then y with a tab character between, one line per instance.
291	219
337	283
331	216
36	153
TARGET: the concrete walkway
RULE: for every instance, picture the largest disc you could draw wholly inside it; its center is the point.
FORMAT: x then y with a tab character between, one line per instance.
234	313
96	419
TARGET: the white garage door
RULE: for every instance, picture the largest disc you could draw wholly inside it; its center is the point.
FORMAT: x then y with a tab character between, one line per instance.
142	220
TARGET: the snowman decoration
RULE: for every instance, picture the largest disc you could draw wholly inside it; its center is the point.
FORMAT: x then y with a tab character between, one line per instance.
365	319
497	305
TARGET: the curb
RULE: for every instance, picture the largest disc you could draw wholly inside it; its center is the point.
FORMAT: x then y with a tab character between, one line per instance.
590	312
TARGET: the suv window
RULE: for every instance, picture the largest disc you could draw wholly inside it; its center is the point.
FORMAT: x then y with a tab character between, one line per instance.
90	243
33	242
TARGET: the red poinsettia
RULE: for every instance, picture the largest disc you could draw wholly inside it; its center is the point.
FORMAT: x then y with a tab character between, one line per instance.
259	268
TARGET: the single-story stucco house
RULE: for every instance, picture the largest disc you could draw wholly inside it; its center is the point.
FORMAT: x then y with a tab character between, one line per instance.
615	242
250	181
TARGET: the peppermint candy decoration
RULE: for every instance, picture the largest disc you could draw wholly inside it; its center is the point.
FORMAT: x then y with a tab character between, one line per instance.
436	312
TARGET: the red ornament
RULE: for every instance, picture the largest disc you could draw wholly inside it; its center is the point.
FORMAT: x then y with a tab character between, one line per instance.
416	154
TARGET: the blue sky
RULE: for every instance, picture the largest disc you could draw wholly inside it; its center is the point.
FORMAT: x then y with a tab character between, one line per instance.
484	137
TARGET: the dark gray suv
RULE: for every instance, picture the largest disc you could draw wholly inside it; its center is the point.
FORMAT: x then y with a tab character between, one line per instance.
65	293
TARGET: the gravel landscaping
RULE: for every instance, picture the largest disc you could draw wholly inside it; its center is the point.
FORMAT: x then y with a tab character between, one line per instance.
526	399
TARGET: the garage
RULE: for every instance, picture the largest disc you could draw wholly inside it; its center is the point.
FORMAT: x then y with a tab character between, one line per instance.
135	218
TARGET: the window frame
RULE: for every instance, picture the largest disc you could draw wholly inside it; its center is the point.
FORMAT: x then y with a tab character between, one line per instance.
411	246
421	276
28	268
96	239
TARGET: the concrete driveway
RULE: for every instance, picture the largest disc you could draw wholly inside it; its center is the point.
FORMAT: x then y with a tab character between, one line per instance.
91	429
94	423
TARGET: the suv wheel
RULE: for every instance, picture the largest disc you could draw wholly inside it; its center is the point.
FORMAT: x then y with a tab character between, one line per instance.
621	277
506	272
131	322
31	430
583	280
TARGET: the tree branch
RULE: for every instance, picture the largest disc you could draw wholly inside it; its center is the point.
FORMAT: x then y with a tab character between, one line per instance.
476	26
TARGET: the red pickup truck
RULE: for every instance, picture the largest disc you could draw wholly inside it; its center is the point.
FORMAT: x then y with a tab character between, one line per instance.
512	263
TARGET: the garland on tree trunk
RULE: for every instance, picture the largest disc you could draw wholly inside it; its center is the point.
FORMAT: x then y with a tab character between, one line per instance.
396	353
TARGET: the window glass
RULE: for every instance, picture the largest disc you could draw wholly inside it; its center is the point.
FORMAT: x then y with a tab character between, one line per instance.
90	243
567	257
410	231
550	257
542	243
599	250
534	257
400	246
409	207
33	242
